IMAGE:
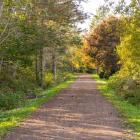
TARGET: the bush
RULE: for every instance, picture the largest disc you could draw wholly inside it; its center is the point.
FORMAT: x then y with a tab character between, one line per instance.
14	89
10	100
64	76
101	74
48	79
127	87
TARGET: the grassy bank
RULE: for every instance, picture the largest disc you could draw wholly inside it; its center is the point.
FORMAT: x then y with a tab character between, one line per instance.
130	112
11	118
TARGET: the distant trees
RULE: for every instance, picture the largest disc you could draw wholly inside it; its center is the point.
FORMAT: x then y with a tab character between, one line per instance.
78	59
103	39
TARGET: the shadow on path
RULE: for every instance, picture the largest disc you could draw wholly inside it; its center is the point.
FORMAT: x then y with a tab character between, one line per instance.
77	113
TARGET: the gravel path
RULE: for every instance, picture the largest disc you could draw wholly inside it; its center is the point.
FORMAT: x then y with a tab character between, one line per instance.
79	112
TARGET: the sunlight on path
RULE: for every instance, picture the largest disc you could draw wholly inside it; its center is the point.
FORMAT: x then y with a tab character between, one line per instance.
77	113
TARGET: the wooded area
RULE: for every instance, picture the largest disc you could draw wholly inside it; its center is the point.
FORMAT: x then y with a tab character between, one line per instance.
114	45
35	41
42	46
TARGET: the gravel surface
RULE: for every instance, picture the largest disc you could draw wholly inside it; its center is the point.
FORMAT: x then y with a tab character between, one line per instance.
79	112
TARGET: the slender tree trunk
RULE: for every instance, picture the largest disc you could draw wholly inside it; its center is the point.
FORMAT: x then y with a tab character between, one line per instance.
41	67
1	63
37	68
54	68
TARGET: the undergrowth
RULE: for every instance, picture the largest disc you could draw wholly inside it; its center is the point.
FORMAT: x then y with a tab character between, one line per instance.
130	112
13	117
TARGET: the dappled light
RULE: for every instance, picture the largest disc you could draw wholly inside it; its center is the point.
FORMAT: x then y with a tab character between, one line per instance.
79	112
69	69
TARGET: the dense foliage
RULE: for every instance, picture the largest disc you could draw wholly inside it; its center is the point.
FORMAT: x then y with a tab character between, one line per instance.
114	45
40	46
34	38
103	39
127	80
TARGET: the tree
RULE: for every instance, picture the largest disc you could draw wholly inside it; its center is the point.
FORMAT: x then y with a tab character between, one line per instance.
60	16
102	43
129	50
16	36
78	59
29	27
104	11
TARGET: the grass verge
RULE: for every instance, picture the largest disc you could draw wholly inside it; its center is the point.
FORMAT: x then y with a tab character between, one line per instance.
12	118
130	112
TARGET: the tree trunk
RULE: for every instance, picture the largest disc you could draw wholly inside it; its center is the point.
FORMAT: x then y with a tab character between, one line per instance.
54	69
37	68
1	63
41	67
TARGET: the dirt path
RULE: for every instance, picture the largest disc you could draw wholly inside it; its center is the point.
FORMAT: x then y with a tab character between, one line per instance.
77	113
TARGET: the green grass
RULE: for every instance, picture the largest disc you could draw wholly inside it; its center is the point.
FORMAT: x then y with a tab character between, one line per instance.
12	118
128	111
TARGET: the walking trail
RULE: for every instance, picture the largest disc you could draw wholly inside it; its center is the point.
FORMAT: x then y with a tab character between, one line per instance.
79	112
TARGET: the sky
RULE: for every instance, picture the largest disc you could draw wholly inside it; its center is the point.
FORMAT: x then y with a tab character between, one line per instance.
90	7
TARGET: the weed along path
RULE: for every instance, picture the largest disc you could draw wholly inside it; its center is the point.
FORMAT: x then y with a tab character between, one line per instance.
79	112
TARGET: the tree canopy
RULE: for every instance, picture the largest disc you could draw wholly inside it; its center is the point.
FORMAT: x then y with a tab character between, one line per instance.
103	39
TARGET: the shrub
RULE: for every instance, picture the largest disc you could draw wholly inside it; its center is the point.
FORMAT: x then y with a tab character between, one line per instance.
64	76
127	87
48	79
101	74
10	100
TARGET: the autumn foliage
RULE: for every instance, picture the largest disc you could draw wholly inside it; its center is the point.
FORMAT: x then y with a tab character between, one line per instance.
103	39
